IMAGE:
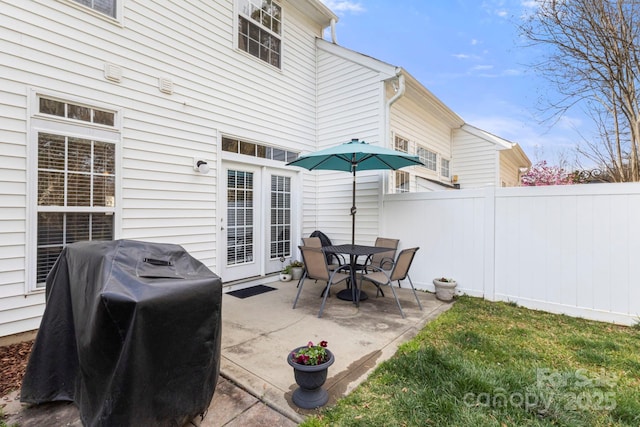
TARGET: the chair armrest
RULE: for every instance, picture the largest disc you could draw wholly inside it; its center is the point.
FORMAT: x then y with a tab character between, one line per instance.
387	260
340	258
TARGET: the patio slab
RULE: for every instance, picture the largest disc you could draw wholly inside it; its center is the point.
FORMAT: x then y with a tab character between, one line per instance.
258	332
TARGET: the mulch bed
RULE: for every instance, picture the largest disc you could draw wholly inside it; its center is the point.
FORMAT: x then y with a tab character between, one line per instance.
13	362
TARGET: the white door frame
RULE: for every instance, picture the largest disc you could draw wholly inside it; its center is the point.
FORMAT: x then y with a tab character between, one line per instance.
261	263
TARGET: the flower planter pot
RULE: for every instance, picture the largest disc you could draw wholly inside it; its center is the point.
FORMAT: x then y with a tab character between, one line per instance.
284	277
310	378
296	273
445	291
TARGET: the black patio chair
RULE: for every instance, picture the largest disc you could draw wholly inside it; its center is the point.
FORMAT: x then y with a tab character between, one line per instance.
332	259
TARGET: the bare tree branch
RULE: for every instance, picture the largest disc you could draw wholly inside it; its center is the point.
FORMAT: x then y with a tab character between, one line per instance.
594	60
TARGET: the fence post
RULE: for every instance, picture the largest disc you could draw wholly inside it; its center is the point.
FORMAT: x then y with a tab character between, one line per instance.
489	267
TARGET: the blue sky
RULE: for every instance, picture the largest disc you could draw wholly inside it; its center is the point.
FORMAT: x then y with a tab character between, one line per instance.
469	54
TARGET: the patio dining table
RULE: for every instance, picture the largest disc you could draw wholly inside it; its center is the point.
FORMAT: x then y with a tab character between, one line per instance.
354	252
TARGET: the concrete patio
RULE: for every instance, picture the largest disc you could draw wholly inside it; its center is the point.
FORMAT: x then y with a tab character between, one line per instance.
258	332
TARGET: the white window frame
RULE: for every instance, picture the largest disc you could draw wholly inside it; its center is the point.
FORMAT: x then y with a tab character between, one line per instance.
442	167
396	187
118	19
280	37
396	138
45	123
426	158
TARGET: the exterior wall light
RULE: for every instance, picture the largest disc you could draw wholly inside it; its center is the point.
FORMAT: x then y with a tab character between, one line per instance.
201	166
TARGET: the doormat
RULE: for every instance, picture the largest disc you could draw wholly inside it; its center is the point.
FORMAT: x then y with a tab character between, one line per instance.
249	292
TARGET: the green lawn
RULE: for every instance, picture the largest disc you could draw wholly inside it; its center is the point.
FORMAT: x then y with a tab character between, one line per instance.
496	364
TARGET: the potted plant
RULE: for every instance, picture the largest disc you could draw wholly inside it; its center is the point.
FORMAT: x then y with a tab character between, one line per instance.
285	274
310	365
297	268
445	288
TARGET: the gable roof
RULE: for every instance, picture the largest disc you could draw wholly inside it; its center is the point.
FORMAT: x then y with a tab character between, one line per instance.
387	70
416	90
500	143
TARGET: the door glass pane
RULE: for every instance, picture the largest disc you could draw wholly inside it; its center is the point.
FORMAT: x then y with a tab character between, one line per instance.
239	217
280	217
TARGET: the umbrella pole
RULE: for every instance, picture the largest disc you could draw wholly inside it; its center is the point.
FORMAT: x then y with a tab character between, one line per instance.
353	208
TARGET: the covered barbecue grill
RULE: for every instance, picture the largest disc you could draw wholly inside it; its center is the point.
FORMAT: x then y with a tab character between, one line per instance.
130	333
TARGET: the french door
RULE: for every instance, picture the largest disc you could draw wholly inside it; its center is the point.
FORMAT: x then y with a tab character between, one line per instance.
256	221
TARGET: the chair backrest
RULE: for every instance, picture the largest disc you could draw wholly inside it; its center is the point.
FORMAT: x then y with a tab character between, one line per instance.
313	242
403	264
387	258
324	241
315	262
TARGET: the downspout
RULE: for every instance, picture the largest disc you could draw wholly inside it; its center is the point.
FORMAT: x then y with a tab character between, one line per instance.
399	93
387	113
333	31
387	130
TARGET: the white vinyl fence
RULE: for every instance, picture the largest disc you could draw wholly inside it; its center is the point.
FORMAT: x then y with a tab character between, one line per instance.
571	249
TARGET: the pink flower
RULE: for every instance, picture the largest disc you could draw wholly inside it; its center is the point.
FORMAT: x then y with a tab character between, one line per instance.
311	354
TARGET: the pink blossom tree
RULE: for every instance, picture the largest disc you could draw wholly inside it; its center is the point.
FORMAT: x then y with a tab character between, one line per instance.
543	174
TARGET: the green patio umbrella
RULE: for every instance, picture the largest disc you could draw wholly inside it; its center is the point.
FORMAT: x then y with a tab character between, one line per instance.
353	156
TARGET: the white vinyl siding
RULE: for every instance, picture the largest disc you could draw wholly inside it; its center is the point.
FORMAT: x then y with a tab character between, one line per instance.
20	312
216	90
426	131
350	102
474	160
509	169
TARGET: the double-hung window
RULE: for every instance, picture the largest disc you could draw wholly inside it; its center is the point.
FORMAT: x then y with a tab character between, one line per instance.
444	168
74	189
260	30
402	179
401	144
429	158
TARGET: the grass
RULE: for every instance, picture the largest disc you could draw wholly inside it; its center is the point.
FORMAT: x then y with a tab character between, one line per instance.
497	364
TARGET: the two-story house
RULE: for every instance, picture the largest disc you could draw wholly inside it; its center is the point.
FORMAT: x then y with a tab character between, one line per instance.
173	121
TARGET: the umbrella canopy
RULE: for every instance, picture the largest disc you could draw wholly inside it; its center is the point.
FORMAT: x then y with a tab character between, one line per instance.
353	156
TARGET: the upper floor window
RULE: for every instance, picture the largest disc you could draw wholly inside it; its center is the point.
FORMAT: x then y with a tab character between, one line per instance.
401	144
444	168
108	7
429	158
260	30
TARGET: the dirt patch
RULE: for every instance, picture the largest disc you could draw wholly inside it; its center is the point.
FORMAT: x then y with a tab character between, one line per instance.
13	363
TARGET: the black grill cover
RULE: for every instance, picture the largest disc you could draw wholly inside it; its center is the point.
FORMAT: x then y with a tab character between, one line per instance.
130	333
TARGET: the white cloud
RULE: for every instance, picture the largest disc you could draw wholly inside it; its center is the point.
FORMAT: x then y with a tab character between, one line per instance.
474	42
530	4
344	6
511	72
465	56
482	67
